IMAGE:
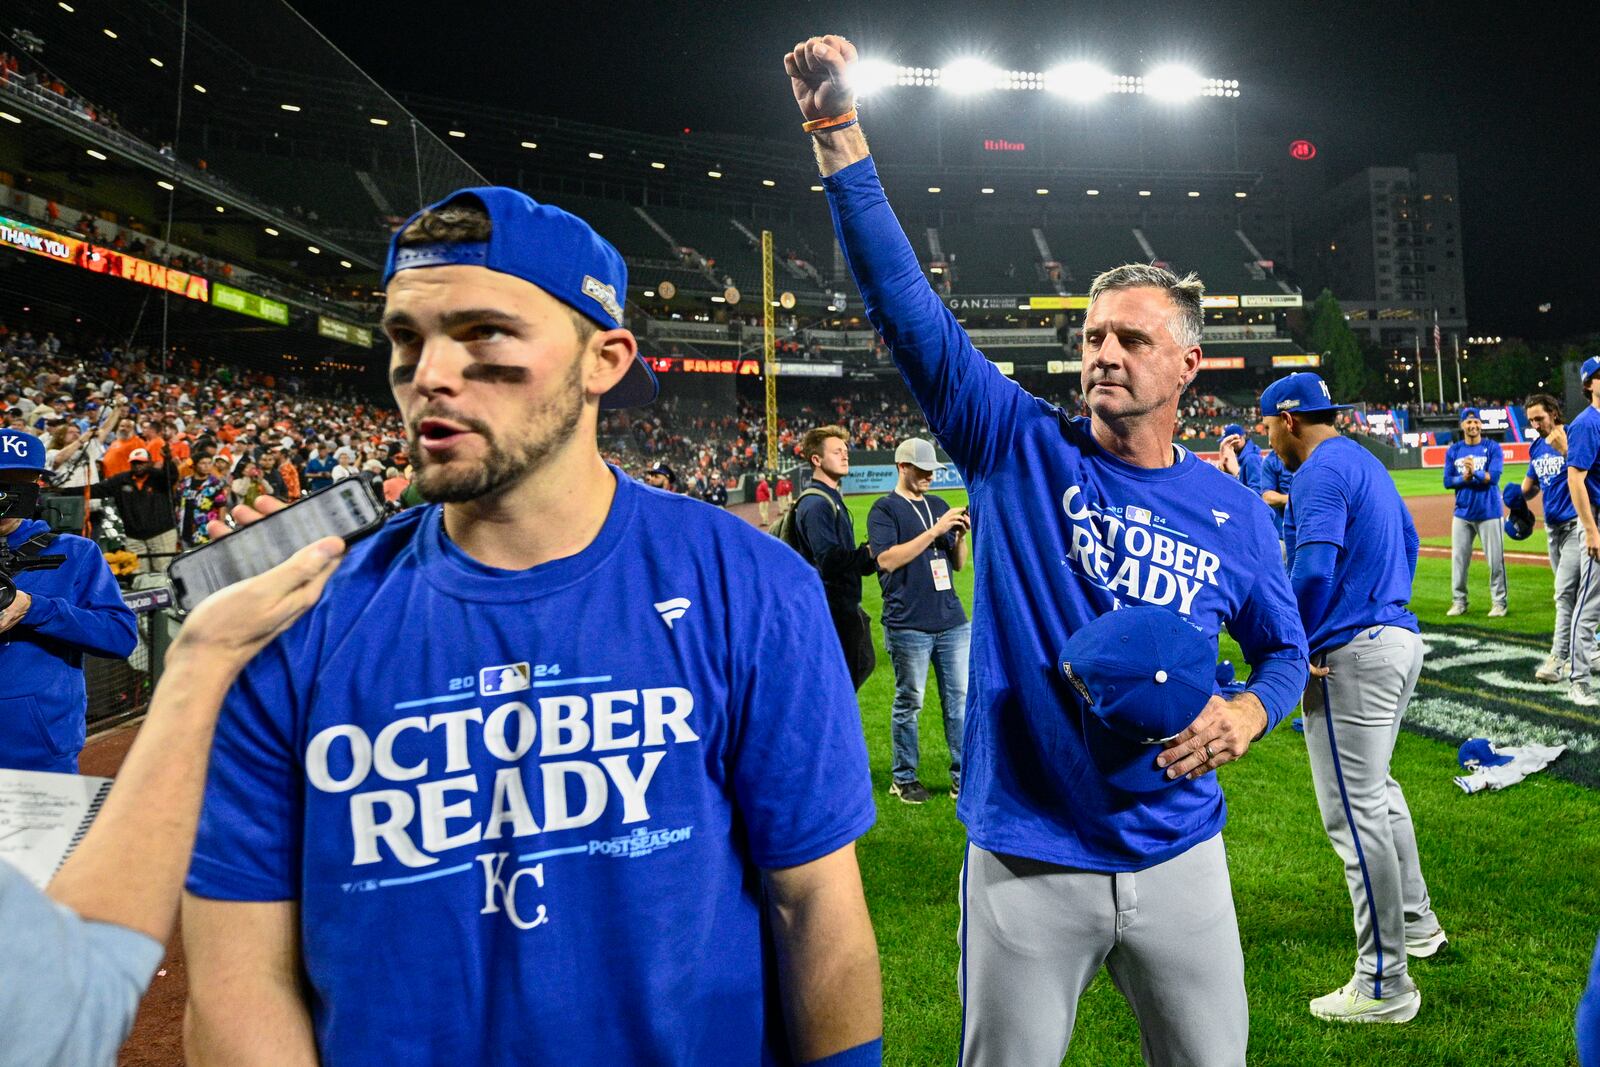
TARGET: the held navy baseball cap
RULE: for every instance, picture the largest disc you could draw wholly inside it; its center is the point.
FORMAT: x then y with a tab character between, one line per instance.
1469	413
1141	675
20	451
547	247
919	453
1298	393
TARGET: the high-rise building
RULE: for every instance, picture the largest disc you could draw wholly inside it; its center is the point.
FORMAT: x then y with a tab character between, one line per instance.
1387	242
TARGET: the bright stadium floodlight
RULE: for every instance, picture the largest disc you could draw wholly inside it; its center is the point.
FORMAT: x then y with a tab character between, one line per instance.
869	77
1173	83
1078	81
967	76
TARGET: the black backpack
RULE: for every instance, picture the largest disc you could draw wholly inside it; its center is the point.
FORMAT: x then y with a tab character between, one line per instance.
787	529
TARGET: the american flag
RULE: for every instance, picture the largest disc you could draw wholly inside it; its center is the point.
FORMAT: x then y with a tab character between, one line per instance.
1436	336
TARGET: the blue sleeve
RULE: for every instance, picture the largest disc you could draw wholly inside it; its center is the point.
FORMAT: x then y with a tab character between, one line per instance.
1497	462
970	406
1589	1017
1452	480
248	843
1250	469
1321	507
69	988
882	531
1314	564
94	619
799	760
818	527
1581	444
1413	543
1271	637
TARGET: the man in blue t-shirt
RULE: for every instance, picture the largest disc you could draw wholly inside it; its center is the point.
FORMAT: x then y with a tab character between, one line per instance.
1547	477
1248	452
534	782
1472	467
1066	870
1272	484
1583	485
920	542
1355	558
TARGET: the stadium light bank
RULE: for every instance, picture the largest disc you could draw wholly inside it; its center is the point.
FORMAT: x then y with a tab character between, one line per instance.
1077	81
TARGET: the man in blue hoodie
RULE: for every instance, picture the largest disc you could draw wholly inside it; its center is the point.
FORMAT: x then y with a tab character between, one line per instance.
1249	453
1472	467
65	604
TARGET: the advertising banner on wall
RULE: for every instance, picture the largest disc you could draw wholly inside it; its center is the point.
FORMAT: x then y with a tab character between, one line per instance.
878	479
252	304
340	330
25	237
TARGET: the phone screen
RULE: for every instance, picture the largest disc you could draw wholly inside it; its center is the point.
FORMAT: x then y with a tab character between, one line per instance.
347	509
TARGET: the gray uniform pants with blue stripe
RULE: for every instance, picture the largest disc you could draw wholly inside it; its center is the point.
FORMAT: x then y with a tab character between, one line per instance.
1566	557
1585	612
1033	935
1352	718
1492	532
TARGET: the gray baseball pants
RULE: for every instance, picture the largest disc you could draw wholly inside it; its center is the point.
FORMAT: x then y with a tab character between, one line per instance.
1585	612
1566	558
1352	718
1493	534
1033	935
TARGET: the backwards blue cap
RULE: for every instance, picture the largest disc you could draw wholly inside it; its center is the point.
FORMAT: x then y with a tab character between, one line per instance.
1142	675
1590	368
549	247
20	451
1298	393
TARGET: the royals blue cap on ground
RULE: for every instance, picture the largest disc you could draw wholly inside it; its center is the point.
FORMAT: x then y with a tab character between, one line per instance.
1478	752
1591	367
20	451
1298	393
1141	676
1468	413
550	248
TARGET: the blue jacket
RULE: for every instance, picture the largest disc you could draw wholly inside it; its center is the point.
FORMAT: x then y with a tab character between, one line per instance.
77	608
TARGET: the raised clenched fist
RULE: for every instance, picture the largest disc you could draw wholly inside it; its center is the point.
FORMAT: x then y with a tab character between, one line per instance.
818	71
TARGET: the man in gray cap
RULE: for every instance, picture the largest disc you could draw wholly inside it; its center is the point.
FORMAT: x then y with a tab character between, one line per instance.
919	541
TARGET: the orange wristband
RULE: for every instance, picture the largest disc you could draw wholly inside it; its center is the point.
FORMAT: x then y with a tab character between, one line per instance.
823	124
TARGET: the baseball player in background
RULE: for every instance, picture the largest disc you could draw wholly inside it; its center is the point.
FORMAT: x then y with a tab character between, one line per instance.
1355	558
1273	483
1472	467
1547	477
535	781
1066	871
1237	440
1583	484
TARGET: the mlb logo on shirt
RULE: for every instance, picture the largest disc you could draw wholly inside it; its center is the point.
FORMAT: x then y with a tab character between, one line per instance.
507	678
1138	514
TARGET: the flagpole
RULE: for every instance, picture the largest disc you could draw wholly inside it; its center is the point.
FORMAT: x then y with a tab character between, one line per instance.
1418	339
1456	338
1438	358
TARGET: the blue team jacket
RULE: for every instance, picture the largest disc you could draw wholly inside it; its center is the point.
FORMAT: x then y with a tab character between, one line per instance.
76	609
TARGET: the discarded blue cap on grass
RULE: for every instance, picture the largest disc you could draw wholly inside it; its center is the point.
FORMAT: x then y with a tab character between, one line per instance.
1478	752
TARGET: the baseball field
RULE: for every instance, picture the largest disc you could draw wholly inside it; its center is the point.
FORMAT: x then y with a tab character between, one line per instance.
1512	874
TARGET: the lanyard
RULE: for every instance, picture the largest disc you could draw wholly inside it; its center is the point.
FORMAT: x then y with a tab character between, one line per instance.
927	524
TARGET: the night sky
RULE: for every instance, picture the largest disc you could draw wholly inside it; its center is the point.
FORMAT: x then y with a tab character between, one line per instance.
1512	90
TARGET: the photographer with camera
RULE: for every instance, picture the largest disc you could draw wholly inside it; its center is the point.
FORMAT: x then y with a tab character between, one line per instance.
58	601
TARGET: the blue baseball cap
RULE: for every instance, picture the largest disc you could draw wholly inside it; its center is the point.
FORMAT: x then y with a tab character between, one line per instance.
1141	675
1468	413
547	247
1299	392
20	451
1478	752
1591	367
1233	429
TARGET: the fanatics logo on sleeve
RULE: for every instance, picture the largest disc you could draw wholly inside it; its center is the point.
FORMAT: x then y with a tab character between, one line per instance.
673	610
1220	516
506	678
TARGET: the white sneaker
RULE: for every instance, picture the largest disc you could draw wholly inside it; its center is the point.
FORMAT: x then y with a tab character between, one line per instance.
1551	670
1497	612
1429	945
1350	1005
1581	694
1458	608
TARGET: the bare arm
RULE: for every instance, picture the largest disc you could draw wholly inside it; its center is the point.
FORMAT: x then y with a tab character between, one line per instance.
1275	498
247	1007
963	552
827	955
1578	489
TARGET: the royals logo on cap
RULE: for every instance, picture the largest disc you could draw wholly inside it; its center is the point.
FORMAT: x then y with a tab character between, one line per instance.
1299	393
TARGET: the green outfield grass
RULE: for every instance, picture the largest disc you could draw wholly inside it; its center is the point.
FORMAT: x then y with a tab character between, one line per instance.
1536	541
1420	482
1512	875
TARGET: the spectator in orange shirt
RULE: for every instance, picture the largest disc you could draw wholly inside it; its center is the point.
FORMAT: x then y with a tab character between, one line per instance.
126	440
394	483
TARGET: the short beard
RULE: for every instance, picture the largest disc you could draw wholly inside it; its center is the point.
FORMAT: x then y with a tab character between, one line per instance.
554	423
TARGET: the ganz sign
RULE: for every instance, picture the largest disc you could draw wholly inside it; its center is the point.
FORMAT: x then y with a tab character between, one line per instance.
982	303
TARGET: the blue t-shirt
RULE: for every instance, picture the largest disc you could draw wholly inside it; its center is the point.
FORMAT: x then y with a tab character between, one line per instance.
1548	468
1250	459
1277	478
910	599
1583	452
1078	533
524	812
1478	496
1344	497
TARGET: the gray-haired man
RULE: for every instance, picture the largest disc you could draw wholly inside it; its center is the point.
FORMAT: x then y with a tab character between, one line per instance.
919	541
